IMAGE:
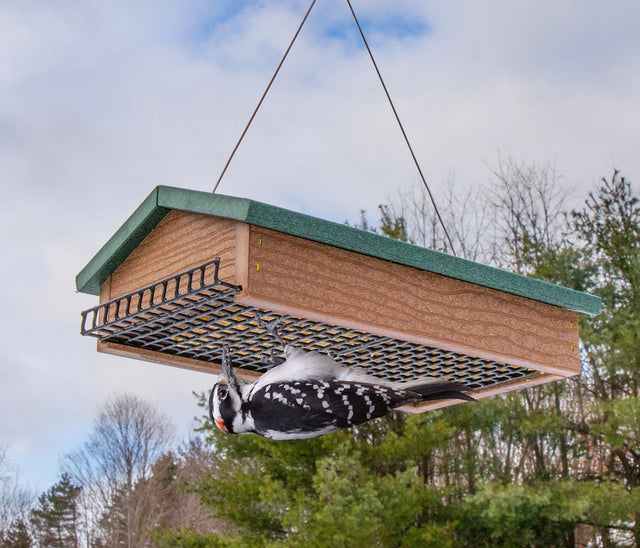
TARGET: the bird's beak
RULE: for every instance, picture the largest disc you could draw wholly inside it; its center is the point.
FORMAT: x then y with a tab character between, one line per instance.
220	424
225	370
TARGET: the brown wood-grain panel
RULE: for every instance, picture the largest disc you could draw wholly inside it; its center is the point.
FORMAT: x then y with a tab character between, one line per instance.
324	283
181	241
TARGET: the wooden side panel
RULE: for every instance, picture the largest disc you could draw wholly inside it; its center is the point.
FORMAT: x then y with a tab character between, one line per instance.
324	283
180	241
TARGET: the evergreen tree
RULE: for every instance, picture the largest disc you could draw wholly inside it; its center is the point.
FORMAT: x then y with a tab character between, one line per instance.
391	225
15	500
17	536
609	226
55	518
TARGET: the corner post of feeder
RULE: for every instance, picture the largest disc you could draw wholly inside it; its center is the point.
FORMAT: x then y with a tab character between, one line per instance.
243	233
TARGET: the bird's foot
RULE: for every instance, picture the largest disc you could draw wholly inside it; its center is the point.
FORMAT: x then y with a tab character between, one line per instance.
274	329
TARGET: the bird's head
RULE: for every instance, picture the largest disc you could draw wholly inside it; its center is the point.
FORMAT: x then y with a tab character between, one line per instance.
226	399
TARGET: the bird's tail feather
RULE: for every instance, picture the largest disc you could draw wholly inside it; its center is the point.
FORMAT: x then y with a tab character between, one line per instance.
442	390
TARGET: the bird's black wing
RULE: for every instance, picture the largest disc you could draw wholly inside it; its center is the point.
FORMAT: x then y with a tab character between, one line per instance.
441	390
317	405
309	408
353	403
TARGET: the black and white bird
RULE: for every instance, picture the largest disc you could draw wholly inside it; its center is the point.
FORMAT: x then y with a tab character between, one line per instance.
310	395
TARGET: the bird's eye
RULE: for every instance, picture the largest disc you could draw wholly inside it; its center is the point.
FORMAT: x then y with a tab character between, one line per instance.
222	391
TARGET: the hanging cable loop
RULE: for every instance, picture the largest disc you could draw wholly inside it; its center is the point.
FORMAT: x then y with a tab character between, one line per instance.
233	152
386	91
404	133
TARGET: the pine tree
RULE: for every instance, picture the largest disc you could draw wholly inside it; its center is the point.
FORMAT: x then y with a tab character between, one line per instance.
17	536
55	518
609	224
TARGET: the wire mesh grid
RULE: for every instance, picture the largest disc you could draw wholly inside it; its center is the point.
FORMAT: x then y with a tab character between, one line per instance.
193	314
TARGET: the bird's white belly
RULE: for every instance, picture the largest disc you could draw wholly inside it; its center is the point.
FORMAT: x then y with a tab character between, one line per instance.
296	435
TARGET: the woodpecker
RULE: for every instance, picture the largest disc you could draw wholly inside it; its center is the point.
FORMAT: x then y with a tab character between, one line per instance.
310	395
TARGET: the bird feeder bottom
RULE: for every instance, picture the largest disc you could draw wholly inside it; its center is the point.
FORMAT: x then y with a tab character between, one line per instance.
185	319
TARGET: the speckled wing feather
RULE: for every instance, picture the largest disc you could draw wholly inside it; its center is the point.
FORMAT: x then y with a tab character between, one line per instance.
321	406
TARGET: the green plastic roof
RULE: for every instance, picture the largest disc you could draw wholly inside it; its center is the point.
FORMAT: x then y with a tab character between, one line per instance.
164	199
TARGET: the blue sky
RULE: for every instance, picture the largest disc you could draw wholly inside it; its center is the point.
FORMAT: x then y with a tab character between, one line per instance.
100	102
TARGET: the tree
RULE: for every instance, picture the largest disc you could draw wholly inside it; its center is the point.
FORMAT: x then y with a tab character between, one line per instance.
410	216
527	201
128	437
17	536
609	228
55	518
14	499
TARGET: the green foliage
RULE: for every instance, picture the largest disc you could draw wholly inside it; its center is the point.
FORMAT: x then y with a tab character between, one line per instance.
610	225
392	225
619	424
185	538
362	490
540	514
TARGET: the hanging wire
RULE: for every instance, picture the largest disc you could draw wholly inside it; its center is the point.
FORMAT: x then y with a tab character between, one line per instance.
386	91
224	170
404	134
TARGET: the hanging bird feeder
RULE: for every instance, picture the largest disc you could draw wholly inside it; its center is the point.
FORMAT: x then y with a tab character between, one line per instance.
191	271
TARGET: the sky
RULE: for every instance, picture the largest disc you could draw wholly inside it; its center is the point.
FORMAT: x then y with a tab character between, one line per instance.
102	101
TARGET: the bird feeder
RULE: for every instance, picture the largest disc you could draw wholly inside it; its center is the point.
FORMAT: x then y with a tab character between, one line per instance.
191	271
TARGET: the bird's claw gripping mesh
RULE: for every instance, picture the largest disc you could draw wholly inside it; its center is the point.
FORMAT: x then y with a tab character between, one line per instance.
193	314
